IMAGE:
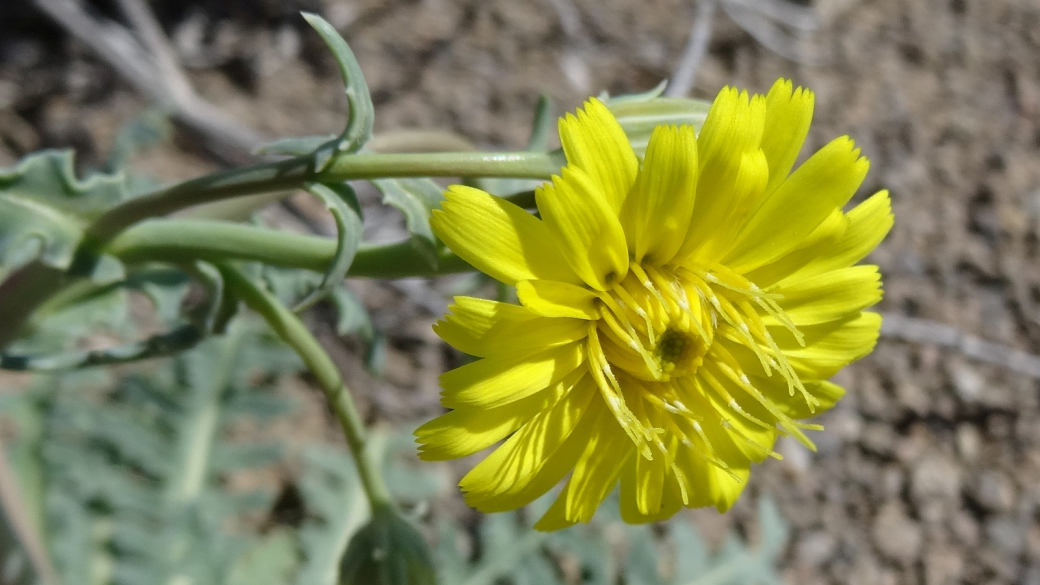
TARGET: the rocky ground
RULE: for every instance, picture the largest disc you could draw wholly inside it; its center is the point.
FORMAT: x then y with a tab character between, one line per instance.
929	471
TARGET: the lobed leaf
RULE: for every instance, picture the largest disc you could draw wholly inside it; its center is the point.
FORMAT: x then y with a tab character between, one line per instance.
415	198
45	209
341	201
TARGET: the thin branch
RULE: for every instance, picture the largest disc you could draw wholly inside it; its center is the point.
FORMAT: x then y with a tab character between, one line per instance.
570	18
896	326
763	26
151	34
786	13
153	70
696	47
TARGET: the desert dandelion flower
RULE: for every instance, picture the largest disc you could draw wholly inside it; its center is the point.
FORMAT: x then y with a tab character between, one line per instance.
677	314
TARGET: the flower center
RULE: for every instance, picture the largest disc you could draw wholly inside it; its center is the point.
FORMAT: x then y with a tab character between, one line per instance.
659	323
655	324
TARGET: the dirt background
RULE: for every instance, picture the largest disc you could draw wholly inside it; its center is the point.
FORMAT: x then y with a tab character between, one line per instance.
929	471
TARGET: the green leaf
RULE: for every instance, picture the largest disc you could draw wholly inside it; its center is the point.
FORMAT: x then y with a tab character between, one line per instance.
336	507
149	129
272	560
164	287
362	112
352	315
133	471
542	125
235	456
639	114
44	208
342	202
655	92
415	198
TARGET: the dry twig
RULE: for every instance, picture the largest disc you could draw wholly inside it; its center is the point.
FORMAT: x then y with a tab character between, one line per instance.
904	328
696	47
152	69
765	21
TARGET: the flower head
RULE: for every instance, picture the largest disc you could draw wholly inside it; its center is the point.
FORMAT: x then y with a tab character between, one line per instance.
677	314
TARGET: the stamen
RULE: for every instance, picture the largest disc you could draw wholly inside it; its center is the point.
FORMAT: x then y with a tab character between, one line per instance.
787	423
628	300
612	394
684	490
631	340
648	285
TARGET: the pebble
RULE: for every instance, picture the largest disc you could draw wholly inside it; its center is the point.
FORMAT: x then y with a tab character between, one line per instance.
815	548
995	491
943	566
935	476
1006	535
967	382
965	529
896	536
878	438
969	442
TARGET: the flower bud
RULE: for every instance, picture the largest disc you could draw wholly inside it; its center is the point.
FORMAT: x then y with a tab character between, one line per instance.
387	551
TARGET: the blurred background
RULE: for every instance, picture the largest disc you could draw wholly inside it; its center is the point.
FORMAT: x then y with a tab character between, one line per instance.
929	470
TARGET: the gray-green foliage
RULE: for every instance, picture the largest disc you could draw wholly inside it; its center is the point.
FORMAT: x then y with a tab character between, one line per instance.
44	208
335	500
640	113
607	551
132	470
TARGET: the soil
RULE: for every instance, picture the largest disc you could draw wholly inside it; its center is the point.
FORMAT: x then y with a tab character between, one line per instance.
929	470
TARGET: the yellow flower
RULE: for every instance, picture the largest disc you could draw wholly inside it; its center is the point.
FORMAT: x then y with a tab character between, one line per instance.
676	314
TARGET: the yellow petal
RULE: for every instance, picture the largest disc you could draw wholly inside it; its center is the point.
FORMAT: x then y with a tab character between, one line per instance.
584	228
869	223
820	241
706	484
736	438
485	328
829	296
788	115
827	393
598	469
657	212
557	299
648	478
830	347
595	143
595	475
465	431
495	381
497	237
671	496
537	456
801	203
727	485
555	518
733	173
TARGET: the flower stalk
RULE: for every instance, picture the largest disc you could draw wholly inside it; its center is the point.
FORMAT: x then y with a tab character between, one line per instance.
295	172
289	327
173	240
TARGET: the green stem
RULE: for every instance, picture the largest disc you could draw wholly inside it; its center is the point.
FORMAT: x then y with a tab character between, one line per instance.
176	240
289	327
293	173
